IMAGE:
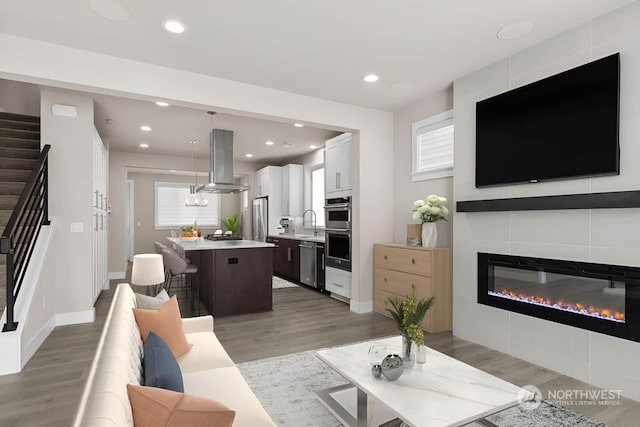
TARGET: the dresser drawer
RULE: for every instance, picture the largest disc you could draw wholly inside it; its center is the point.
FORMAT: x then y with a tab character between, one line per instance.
413	261
399	283
381	303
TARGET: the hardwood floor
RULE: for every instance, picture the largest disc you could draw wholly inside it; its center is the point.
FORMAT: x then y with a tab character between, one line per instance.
47	391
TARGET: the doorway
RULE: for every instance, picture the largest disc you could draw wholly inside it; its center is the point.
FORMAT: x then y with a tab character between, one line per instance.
129	222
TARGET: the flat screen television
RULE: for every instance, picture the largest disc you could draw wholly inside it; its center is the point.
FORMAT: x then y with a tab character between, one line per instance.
562	127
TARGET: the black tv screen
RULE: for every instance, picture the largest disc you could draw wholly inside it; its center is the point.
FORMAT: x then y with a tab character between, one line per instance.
564	126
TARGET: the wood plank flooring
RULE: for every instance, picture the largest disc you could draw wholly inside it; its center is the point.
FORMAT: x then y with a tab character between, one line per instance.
47	391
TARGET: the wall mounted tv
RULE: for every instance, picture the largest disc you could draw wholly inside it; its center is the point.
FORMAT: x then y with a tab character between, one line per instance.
562	127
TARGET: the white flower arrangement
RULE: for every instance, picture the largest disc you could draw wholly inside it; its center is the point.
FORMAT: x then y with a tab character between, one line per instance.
430	210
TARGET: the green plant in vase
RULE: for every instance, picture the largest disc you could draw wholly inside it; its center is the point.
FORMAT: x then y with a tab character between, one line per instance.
232	224
408	314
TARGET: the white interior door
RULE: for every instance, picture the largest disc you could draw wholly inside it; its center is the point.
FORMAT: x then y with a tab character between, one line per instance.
128	227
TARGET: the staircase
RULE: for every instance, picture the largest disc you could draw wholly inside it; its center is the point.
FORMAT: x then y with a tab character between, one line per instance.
19	151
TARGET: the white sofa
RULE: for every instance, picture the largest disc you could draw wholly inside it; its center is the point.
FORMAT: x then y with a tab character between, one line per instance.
207	370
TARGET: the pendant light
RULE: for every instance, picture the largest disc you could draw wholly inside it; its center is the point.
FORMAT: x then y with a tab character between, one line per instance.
193	199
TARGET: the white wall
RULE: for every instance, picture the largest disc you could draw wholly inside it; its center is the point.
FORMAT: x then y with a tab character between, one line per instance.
601	236
60	66
309	161
406	192
19	98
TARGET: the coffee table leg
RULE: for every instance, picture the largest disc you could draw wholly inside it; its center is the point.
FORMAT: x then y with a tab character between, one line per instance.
340	412
362	408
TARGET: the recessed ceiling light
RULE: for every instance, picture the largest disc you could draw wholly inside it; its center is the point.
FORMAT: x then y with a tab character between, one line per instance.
313	146
515	30
370	78
162	104
286	144
298	125
249	155
110	10
145	128
269	143
172	171
174	26
192	142
143	145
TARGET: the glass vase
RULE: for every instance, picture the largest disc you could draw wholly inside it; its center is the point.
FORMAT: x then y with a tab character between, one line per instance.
408	352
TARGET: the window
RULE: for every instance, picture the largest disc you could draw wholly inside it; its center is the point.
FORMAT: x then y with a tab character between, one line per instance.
432	147
317	194
172	213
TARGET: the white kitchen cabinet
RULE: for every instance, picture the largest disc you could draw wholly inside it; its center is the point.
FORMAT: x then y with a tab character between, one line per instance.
268	183
338	282
100	216
338	155
292	190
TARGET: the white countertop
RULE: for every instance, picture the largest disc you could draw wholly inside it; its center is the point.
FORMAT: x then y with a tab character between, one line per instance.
442	392
307	237
203	244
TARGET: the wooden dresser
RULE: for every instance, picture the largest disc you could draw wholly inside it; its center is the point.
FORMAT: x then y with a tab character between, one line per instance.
398	268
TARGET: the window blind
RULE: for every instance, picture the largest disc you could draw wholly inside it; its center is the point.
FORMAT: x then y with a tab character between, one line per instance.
435	149
171	211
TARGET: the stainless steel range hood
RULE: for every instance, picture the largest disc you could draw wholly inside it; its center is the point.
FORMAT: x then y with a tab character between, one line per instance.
221	167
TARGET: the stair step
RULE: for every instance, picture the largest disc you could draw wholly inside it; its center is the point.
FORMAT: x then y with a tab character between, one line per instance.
19	153
12	163
11	124
19	118
20	134
14	175
11	188
8	202
30	144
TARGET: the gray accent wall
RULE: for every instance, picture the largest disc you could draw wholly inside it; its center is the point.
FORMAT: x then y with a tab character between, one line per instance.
601	236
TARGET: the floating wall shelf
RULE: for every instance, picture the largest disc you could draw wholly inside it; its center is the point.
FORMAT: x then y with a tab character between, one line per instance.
618	199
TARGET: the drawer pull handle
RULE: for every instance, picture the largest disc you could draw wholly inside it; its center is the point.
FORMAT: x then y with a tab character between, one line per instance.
385	280
413	261
385	257
413	286
338	285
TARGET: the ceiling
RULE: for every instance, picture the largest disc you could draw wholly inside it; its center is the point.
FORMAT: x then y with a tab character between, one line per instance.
320	48
173	127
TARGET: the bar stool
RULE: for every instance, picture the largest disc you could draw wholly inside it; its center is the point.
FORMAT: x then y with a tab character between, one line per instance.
179	267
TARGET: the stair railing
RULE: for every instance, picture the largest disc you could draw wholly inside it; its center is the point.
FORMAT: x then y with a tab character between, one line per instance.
21	233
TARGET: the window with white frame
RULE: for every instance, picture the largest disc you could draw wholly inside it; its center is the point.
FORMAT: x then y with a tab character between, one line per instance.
432	147
171	211
317	194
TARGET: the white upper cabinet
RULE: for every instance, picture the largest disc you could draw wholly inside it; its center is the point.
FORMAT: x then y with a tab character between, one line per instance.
338	154
292	190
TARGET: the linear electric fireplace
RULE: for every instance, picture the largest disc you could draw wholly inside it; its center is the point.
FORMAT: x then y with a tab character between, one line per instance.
598	297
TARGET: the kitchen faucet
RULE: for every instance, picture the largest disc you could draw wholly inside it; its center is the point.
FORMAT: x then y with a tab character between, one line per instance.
313	221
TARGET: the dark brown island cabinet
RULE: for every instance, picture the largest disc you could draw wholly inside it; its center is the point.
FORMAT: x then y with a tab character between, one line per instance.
233	278
286	260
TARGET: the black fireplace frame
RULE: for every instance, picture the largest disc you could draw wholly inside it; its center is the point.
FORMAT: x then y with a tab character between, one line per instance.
630	329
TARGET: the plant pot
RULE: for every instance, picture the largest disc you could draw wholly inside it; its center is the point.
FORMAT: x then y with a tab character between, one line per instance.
429	234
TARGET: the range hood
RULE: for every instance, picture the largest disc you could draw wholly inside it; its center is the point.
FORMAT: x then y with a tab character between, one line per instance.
221	167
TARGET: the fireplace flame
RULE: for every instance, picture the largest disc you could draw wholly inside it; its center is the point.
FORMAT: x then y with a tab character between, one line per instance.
591	310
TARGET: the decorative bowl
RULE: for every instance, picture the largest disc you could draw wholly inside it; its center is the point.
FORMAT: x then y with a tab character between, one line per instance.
188	239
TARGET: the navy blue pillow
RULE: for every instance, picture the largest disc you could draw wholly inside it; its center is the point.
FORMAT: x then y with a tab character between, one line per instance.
161	368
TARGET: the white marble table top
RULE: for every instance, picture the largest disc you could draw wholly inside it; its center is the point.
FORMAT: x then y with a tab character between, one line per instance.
202	244
442	392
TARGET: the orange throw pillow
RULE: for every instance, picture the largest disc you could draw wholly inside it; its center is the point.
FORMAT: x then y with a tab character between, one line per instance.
166	323
153	407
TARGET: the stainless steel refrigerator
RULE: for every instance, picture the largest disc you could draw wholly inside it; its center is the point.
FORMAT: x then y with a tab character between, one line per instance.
260	218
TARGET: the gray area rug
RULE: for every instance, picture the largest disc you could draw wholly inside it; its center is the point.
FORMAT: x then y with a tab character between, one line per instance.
286	388
279	283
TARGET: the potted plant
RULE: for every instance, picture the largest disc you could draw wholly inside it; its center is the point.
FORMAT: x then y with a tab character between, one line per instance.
430	211
232	224
408	314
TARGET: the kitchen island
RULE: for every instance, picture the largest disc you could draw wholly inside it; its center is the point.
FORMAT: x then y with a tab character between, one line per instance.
234	276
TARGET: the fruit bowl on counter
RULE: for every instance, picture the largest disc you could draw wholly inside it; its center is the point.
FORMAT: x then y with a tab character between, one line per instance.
188	239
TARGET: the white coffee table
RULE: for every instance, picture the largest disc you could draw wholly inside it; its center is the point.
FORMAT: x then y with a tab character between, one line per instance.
442	392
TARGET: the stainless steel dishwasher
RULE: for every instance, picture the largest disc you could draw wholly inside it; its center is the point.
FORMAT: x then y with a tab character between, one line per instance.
308	263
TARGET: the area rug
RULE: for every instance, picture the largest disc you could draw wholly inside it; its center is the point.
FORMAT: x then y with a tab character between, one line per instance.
279	283
286	387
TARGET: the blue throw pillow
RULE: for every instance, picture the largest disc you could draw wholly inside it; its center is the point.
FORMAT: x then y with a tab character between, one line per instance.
161	368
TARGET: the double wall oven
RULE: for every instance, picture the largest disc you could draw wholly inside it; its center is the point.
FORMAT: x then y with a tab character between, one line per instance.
338	233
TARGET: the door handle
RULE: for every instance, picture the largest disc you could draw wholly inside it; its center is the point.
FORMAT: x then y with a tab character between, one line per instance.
289	254
337	186
323	261
96	228
101	222
96	205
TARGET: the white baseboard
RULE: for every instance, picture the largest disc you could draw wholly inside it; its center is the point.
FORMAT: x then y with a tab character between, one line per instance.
76	317
35	343
116	275
361	306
